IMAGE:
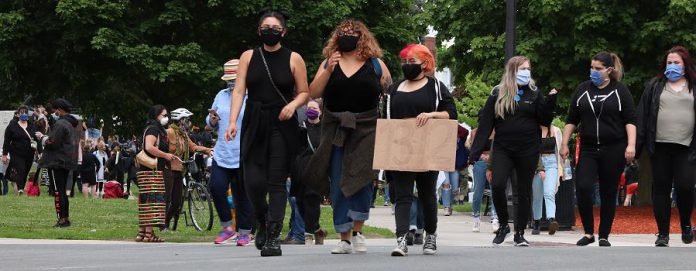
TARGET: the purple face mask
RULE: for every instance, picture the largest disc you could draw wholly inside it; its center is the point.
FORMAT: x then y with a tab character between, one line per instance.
312	114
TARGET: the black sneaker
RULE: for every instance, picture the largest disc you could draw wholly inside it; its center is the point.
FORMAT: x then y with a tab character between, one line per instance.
501	235
585	240
553	226
687	235
662	240
535	227
430	246
603	242
418	240
519	240
409	238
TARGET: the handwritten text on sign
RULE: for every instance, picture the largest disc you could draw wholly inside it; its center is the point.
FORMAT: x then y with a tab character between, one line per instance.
401	145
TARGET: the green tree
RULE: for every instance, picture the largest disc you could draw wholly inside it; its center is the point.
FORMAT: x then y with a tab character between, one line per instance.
561	36
117	57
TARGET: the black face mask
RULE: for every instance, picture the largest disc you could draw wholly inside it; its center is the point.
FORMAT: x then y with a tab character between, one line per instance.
347	43
270	37
411	71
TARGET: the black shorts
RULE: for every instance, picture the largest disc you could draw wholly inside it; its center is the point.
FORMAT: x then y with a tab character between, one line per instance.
88	178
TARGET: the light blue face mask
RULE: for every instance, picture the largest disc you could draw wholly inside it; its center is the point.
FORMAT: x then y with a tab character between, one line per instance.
596	77
523	77
674	72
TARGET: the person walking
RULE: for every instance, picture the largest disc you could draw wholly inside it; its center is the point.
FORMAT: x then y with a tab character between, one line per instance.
60	153
21	147
666	128
515	109
152	199
481	180
450	188
272	75
546	182
226	170
350	80
604	109
182	146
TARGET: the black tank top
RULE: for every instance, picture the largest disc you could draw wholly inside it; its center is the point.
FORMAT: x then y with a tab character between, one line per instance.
259	85
358	93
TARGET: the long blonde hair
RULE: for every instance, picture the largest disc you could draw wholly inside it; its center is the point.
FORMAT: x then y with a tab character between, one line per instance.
368	47
507	89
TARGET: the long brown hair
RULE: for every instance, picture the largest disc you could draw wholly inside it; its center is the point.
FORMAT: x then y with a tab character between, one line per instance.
368	47
689	71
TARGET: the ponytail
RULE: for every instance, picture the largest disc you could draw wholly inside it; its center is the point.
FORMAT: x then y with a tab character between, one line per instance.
611	60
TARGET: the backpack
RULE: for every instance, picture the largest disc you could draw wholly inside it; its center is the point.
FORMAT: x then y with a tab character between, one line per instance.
113	190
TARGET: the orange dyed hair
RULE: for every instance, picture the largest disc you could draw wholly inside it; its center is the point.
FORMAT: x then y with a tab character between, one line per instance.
368	47
421	52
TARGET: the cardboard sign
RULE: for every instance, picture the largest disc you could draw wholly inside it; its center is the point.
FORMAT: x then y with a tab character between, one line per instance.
401	145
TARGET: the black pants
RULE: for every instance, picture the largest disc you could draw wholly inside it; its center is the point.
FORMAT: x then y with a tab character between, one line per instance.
59	179
671	167
270	180
606	162
18	170
173	187
502	165
308	204
403	191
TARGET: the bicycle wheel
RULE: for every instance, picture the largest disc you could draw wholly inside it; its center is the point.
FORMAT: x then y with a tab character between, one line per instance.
200	207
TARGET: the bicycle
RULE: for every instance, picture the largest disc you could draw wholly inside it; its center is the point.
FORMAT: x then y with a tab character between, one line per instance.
198	198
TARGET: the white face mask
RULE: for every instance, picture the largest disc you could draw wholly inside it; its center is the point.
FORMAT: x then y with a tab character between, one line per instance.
164	121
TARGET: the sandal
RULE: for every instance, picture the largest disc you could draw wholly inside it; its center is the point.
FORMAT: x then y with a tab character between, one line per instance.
140	237
150	237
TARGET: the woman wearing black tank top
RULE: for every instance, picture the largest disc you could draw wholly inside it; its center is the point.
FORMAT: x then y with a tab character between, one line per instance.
350	80
269	128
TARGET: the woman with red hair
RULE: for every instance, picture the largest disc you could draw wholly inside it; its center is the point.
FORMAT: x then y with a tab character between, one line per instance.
666	128
421	97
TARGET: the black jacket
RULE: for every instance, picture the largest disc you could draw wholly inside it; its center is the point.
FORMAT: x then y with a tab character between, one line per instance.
646	123
90	166
17	142
61	145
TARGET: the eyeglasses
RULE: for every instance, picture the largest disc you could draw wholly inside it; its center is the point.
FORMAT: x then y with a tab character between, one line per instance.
274	28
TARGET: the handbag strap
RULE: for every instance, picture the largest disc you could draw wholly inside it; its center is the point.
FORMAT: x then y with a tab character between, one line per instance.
268	71
145	132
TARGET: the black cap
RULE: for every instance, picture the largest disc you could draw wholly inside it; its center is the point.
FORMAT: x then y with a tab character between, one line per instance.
61	103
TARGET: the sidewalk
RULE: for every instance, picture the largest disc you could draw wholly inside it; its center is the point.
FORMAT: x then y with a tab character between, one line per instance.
456	230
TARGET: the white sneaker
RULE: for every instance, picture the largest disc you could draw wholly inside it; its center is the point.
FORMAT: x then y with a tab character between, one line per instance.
342	248
495	224
359	243
477	224
401	247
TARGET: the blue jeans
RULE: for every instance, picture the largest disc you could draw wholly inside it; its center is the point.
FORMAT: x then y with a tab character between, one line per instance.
451	183
386	192
545	191
347	209
417	219
221	179
297	226
479	187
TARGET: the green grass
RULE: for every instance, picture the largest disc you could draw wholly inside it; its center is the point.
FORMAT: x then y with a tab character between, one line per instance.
463	208
112	219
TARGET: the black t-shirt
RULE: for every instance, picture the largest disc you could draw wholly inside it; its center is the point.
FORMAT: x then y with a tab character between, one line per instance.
519	132
602	113
314	133
356	94
405	105
161	134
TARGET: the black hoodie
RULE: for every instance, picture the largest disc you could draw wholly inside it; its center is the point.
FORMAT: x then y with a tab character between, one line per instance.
61	145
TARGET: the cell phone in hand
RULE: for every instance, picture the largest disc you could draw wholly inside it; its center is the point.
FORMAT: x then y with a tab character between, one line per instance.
213	112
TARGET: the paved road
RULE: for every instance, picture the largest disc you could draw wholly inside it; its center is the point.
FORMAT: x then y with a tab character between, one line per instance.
175	257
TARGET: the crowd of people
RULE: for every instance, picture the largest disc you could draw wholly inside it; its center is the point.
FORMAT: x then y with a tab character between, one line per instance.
284	138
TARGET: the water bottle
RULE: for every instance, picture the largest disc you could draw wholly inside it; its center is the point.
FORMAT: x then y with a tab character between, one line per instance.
567	170
230	199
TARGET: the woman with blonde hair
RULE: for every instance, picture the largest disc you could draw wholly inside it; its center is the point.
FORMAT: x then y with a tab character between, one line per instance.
515	109
350	81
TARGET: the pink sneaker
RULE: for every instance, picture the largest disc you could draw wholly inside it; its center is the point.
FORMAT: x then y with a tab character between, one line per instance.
226	236
243	239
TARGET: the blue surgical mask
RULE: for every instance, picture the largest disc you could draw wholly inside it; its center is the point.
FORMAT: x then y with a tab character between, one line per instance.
674	72
596	77
523	77
24	117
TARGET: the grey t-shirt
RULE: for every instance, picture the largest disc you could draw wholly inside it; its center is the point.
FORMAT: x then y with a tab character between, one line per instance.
675	120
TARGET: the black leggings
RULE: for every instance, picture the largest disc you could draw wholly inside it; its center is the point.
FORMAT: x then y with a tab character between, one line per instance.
308	204
59	179
606	162
671	167
19	170
269	179
173	186
403	189
502	165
